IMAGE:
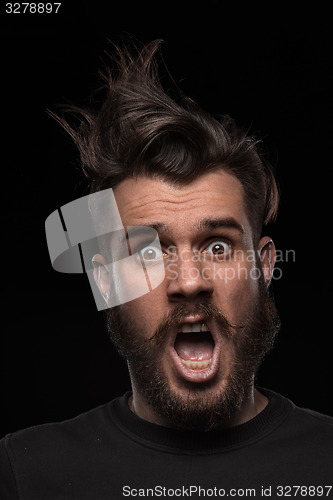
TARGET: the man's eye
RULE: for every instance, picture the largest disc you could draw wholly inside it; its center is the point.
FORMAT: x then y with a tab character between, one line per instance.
218	248
151	253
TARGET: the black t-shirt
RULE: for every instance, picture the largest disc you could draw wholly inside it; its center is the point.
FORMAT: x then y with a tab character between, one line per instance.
110	453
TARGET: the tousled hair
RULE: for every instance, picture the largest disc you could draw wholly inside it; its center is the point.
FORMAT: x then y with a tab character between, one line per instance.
141	130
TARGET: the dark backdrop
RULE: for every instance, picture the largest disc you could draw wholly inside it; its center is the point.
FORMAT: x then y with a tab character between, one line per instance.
270	70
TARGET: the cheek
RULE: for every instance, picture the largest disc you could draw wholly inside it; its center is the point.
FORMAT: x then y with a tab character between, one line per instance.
236	289
146	311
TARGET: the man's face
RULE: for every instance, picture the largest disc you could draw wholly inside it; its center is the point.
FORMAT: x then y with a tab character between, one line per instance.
193	343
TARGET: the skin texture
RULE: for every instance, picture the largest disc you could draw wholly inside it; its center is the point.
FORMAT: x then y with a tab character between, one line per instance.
227	282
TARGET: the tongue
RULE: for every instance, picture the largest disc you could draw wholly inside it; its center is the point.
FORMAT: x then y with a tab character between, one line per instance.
194	346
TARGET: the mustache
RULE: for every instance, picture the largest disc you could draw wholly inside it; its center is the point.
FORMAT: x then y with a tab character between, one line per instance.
180	312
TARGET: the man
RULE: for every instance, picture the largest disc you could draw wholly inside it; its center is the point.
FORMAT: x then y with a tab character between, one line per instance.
194	424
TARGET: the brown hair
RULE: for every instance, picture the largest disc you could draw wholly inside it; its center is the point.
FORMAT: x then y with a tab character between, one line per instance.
140	130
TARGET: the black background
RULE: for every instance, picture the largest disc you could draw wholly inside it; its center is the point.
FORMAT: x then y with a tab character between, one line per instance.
272	71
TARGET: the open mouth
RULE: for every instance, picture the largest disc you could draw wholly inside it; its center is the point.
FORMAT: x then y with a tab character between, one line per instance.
195	353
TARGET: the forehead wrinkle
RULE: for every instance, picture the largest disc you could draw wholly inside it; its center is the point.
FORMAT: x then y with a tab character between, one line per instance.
143	211
161	201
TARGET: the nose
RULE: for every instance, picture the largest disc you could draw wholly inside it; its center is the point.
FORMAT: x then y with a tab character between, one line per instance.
186	278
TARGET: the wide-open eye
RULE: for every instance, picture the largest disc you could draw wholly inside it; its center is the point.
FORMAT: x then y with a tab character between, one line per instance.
151	253
217	248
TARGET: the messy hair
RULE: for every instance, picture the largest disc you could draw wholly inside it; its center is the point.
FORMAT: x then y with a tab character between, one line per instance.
139	129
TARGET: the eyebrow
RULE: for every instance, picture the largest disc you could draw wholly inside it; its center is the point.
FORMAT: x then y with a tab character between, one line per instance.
205	224
228	222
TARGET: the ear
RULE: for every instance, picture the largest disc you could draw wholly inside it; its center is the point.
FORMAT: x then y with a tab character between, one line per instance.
101	276
267	254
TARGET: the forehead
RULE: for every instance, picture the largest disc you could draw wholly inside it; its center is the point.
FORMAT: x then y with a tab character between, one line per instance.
146	201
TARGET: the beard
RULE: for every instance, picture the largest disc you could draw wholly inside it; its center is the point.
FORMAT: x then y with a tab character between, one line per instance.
204	407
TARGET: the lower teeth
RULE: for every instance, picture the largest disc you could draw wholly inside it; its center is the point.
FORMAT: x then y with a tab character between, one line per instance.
196	365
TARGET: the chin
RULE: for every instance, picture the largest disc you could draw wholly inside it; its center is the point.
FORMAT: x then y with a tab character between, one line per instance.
201	407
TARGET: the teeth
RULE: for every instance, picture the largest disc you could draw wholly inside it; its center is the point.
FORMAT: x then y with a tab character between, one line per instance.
193	327
187	328
196	365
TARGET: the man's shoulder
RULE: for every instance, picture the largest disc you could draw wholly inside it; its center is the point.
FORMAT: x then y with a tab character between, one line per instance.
43	456
311	419
75	429
304	422
315	417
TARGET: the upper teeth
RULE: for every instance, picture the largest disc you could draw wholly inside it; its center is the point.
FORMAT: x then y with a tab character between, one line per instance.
193	327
